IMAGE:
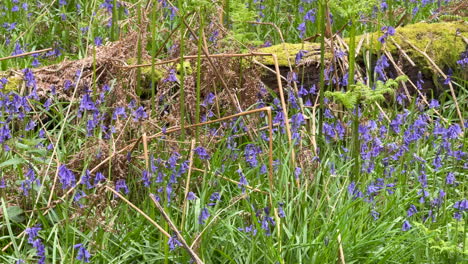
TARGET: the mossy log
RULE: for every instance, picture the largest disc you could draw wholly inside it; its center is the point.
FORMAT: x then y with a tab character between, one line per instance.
442	42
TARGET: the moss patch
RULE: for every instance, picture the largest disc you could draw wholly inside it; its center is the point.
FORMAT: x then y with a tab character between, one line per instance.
438	40
13	85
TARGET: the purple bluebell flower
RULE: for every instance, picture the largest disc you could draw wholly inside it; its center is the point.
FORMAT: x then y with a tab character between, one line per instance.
216	196
173	243
242	181
66	176
250	154
411	211
406	226
281	212
450	179
461	205
191	196
80	194
299	55
202	153
388	31
139	114
146	178
85	180
302	29
121	185
83	254
204	214
119	111
98	41
172	76
297	172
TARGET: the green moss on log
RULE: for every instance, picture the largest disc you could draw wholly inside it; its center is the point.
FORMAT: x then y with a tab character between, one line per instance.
438	40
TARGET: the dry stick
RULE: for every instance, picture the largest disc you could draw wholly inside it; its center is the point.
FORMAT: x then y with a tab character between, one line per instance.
174	228
293	158
243	196
145	151
389	56
25	54
207	53
187	183
342	257
403	52
92	171
452	91
139	211
231	180
270	123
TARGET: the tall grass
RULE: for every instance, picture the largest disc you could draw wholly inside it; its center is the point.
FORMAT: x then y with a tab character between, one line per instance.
234	215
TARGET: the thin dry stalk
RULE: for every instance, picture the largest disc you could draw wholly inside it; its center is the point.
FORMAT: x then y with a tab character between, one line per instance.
139	211
174	228
270	123
145	151
341	252
452	91
423	97
25	54
195	241
231	180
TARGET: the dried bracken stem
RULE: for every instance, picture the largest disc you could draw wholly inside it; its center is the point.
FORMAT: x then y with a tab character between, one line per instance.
145	150
174	228
400	71
139	211
25	54
403	52
270	123
187	183
195	241
452	91
341	252
231	180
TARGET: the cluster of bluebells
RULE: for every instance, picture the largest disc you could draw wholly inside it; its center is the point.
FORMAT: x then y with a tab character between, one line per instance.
36	242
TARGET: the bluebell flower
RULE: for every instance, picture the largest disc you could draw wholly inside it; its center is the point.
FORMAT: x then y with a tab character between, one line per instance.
411	211
121	185
66	176
204	214
98	41
191	196
406	226
173	243
242	181
202	153
85	179
83	254
146	178
214	197
139	114
172	76
450	179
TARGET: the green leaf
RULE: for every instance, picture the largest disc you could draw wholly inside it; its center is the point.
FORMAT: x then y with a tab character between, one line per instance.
16	214
11	162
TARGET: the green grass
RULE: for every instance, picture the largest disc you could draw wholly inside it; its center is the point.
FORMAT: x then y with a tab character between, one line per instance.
319	209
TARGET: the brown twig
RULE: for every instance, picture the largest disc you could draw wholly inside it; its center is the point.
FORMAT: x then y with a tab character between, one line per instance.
139	211
452	91
174	228
25	54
